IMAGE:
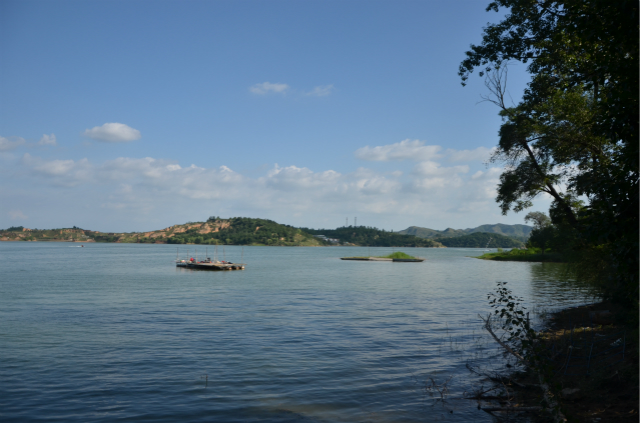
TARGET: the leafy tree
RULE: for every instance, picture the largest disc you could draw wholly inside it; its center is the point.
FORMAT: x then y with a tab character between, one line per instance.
577	123
539	219
15	229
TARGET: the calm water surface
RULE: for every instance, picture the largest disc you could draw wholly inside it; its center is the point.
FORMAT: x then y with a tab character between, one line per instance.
115	332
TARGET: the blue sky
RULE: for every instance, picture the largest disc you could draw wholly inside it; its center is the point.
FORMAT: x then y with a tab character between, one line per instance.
136	115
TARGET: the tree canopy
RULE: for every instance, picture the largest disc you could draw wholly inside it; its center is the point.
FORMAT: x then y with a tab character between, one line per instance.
574	135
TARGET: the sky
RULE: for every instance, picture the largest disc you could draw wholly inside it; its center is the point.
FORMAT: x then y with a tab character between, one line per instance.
137	115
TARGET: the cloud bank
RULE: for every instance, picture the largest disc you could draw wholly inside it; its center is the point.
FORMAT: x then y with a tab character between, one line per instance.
146	186
321	91
48	140
403	150
113	132
7	144
268	87
416	150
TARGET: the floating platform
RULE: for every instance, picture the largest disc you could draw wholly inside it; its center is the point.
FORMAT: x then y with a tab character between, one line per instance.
210	265
413	260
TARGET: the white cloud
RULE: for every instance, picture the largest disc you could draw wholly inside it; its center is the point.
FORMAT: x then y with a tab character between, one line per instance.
113	132
416	150
403	150
321	90
430	175
430	168
288	188
17	214
7	145
132	188
479	154
268	87
48	140
60	172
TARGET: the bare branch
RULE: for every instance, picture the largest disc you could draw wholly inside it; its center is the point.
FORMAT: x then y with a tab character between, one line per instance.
487	326
496	83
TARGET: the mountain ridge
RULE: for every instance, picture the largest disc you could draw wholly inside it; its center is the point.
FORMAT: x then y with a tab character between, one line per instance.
517	231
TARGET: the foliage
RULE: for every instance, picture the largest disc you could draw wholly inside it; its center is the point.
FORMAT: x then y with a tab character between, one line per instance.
530	254
576	126
15	229
521	340
539	219
480	240
245	231
399	255
510	312
372	237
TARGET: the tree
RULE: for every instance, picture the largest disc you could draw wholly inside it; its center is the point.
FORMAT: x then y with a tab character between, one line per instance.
577	123
539	219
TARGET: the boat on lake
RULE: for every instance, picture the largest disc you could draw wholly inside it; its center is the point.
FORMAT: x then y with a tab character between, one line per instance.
208	264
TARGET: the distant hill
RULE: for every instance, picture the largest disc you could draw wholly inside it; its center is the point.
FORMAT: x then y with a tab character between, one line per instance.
372	237
515	231
241	231
480	240
519	232
236	231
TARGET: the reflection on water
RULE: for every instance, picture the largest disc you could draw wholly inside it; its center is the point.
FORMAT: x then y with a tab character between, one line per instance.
114	331
557	281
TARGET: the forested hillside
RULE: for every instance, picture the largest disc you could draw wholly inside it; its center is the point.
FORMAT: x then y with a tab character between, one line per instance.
519	232
373	237
237	230
480	240
244	231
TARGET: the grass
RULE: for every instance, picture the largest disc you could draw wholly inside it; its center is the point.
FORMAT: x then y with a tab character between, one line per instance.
530	254
398	255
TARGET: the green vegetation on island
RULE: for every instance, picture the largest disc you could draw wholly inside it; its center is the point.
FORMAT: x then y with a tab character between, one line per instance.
398	255
531	254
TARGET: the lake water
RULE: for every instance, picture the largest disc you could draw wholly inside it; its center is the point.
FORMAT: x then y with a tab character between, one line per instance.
116	332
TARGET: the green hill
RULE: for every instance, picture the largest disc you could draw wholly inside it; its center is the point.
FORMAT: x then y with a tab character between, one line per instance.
237	231
244	231
519	232
372	237
480	240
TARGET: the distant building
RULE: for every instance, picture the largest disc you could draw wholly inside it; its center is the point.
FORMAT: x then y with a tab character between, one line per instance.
331	240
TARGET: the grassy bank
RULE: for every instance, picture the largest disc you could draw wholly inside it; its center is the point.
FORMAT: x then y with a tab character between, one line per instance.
530	254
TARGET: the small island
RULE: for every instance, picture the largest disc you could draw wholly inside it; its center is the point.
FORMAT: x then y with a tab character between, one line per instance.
397	257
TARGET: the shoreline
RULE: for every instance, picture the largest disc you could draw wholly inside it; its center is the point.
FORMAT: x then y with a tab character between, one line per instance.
594	366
